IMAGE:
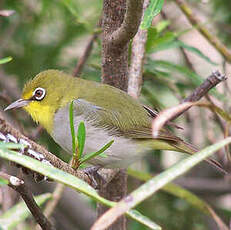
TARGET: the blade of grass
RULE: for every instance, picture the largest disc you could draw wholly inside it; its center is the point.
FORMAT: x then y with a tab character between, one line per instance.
153	185
184	194
4	145
71	181
92	155
71	120
5	60
153	9
81	137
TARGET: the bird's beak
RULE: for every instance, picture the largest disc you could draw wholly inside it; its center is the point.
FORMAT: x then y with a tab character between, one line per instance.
17	104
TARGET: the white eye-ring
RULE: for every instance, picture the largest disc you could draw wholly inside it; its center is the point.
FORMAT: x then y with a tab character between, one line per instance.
39	94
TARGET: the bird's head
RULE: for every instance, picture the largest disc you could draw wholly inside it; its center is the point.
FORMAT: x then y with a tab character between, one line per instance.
42	96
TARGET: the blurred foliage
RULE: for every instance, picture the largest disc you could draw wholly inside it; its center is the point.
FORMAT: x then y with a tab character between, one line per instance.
162	207
221	16
52	34
39	35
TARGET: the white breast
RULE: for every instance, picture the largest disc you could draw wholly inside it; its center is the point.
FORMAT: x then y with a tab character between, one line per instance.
122	152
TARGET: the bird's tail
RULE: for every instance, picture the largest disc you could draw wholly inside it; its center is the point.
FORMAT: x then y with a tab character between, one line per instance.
185	147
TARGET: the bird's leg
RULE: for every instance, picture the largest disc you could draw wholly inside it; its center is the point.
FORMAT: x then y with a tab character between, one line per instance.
94	176
100	176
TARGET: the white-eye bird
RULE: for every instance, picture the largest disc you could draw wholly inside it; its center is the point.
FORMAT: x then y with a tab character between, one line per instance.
108	114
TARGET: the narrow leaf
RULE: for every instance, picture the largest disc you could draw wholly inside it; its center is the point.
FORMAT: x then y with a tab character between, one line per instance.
72	127
184	194
92	155
81	137
4	145
154	184
196	51
153	9
67	179
3	181
195	78
5	60
143	219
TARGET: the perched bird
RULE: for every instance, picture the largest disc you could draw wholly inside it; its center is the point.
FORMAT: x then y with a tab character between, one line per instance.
108	114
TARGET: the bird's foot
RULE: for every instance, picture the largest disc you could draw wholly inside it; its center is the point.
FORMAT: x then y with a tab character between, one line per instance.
94	176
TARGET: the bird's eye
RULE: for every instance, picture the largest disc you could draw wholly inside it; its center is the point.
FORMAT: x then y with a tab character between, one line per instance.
39	94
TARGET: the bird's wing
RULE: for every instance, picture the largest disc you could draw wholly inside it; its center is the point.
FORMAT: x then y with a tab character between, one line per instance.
113	122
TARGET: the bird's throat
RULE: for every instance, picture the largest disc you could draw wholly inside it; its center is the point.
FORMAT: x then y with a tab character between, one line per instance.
43	115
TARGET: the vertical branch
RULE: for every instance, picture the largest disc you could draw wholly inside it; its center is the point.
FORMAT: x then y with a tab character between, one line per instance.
114	59
120	23
137	59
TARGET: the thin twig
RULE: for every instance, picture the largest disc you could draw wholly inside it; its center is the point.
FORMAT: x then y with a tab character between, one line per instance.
33	207
79	67
216	117
26	194
221	48
210	82
12	180
56	196
215	78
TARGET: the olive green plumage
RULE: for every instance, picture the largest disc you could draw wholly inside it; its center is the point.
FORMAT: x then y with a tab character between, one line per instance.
108	113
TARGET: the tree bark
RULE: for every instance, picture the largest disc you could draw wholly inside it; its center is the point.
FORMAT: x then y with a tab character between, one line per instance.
120	23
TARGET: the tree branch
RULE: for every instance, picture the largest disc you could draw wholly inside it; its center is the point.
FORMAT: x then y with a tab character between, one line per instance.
137	59
79	67
36	151
56	196
130	25
26	194
118	28
210	82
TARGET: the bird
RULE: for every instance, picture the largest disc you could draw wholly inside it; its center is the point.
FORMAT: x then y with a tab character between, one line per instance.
107	112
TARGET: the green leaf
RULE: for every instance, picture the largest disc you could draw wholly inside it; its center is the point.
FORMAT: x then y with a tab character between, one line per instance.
5	60
143	219
169	41
162	25
81	137
3	181
156	183
195	78
69	4
153	9
4	145
182	193
89	156
160	42
195	51
69	180
18	213
151	37
72	127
